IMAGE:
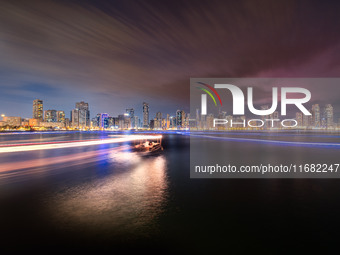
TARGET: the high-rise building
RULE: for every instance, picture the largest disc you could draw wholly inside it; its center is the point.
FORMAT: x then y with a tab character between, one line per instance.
103	120
84	114
192	124
239	122
136	122
197	118
316	121
172	122
81	115
145	115
267	124
210	121
50	116
155	124
203	122
305	120
75	118
186	120
221	115
167	121
95	121
159	115
124	121
131	113
38	109
229	118
163	126
61	116
158	121
276	117
112	122
127	122
67	122
328	116
310	119
299	119
180	118
152	124
121	121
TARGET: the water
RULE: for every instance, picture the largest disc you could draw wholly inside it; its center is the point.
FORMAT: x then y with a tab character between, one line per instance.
107	197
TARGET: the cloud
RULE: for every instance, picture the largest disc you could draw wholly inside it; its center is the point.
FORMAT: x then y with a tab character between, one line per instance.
148	50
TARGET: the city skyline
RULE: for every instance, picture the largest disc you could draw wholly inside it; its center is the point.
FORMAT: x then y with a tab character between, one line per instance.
26	112
169	127
80	118
107	53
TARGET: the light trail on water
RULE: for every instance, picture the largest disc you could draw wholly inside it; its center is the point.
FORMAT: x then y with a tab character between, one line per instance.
277	142
70	144
68	160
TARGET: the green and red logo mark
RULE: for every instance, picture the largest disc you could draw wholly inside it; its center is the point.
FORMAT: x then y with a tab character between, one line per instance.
209	93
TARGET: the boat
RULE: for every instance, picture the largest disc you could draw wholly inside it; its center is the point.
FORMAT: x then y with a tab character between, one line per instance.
148	146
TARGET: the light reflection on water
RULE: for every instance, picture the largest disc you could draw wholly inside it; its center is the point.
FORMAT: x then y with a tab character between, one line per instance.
47	165
107	195
127	200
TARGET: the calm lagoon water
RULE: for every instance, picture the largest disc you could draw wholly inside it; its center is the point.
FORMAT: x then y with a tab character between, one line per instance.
108	197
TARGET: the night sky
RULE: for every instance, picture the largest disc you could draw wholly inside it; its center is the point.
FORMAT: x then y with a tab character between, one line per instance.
117	54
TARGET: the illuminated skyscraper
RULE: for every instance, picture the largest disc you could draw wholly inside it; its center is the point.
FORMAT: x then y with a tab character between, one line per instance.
210	121
203	123
158	121
95	121
267	124
103	120
84	114
60	116
221	115
186	120
316	115
80	116
131	113
197	118
137	122
229	118
75	118
167	121
172	122
152	124
145	115
112	122
38	109
159	115
124	121
275	117
328	116
50	116
305	120
180	118
299	119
